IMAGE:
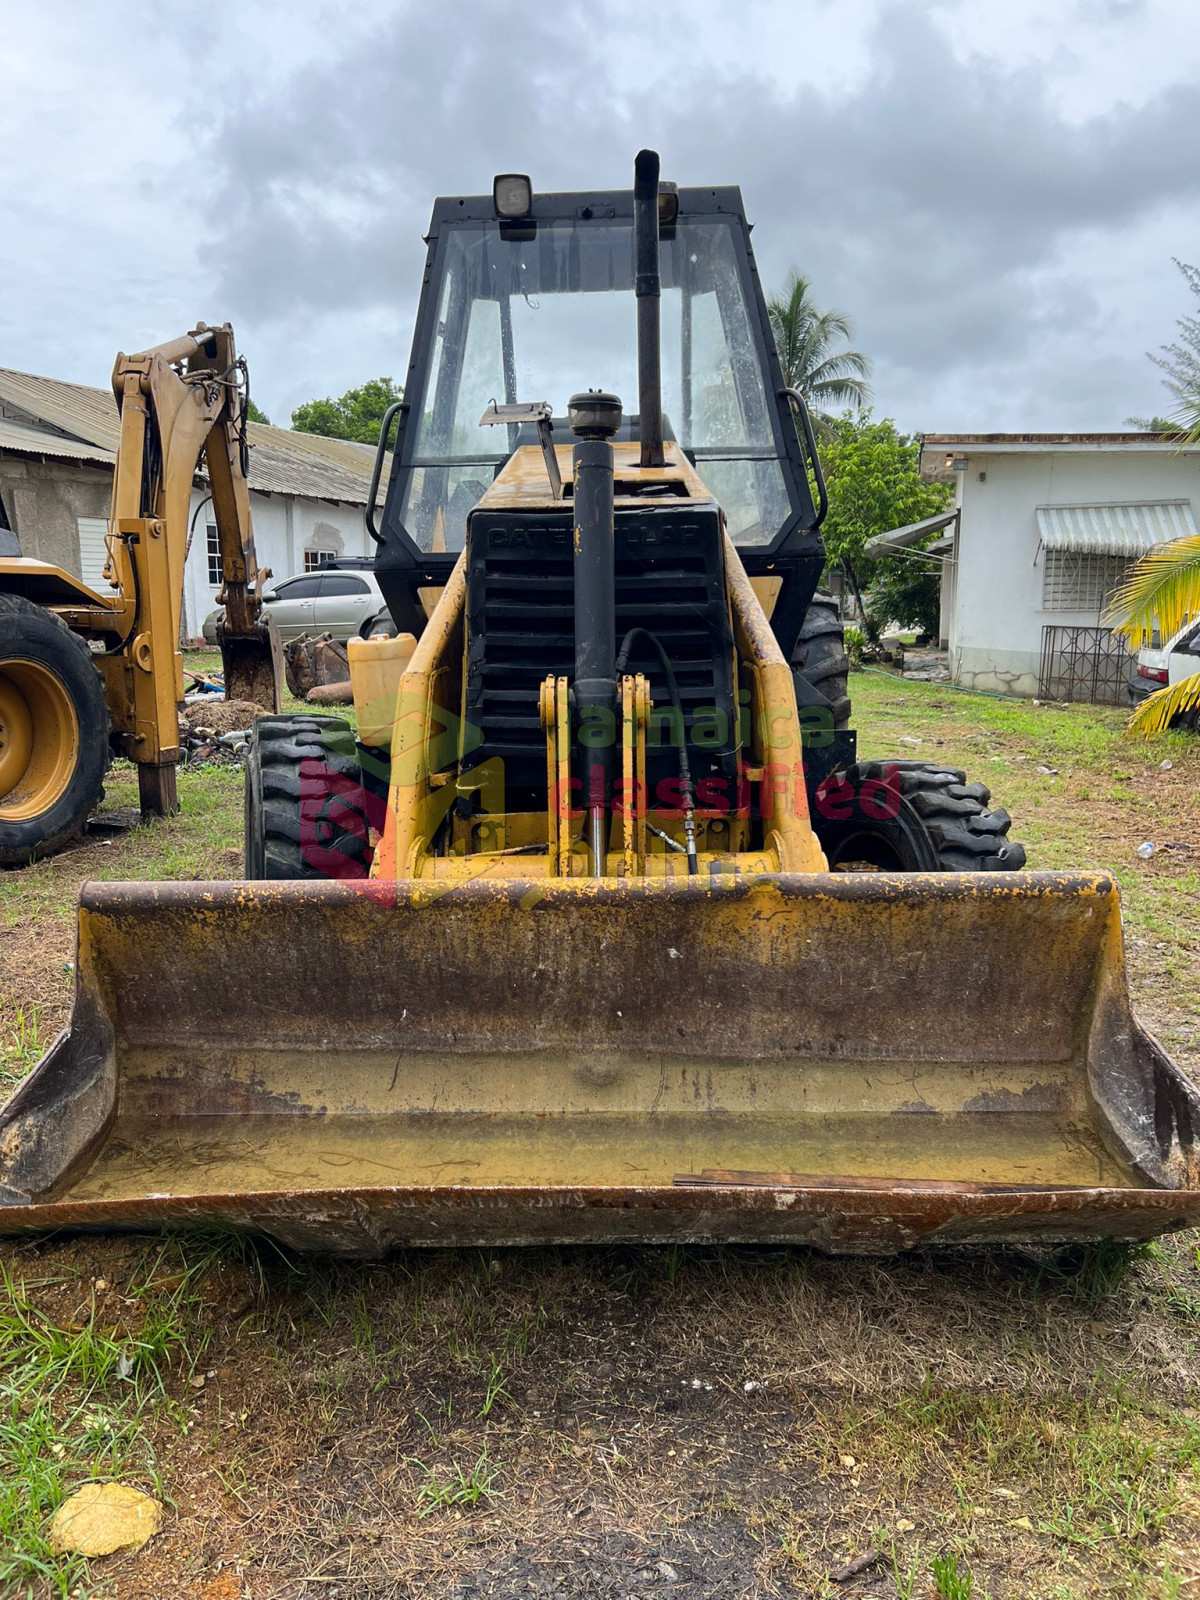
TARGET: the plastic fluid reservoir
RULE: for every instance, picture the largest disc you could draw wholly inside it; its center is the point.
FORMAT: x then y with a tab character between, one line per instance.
376	666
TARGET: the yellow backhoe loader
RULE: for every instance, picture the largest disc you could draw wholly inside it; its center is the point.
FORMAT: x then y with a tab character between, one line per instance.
84	674
597	927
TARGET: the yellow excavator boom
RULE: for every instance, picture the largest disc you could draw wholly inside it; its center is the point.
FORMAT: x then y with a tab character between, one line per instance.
176	402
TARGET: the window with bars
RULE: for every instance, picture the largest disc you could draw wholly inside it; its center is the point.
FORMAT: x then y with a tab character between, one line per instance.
1077	580
314	558
214	557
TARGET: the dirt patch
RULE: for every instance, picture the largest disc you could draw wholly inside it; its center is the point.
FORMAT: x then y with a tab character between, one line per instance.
733	1423
221	716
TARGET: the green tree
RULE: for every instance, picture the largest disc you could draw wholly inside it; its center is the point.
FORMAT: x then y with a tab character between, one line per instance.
873	472
1153	424
1181	363
257	414
807	341
357	414
906	590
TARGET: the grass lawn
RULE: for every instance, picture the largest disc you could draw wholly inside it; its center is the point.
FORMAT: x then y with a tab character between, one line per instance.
629	1421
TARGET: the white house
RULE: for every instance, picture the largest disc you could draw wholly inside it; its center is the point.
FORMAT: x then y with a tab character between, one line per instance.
1046	527
57	448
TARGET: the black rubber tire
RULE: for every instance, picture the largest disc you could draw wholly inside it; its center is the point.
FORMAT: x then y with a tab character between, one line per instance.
305	810
29	632
819	656
936	821
381	622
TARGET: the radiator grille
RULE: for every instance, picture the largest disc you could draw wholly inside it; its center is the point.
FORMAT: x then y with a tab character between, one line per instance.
520	627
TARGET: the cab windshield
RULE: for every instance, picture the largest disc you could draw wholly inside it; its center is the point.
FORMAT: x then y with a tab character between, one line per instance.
542	318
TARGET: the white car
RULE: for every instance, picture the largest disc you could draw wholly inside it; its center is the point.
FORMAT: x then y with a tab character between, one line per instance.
335	600
1162	664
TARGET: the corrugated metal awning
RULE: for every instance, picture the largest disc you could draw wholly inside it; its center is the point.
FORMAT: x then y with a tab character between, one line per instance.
1115	530
881	544
37	441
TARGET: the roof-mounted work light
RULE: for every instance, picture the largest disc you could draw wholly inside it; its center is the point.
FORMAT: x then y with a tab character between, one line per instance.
512	195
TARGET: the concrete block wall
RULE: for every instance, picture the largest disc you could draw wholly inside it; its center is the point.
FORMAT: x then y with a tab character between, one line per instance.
44	500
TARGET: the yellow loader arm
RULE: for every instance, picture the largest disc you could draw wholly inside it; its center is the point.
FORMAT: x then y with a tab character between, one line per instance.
176	401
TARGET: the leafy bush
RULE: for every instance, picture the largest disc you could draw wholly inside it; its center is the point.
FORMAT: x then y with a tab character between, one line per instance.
855	641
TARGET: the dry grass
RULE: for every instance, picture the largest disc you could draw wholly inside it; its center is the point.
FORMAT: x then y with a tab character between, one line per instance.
750	1419
634	1421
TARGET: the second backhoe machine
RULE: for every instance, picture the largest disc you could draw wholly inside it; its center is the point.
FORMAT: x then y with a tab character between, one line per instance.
85	673
598	926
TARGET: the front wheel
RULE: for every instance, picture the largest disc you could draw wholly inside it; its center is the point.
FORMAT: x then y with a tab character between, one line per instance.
53	733
911	816
307	813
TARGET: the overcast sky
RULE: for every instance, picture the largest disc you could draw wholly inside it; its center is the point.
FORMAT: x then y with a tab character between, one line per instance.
992	189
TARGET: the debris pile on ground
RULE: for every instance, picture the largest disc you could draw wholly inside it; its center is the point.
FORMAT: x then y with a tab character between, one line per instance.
311	663
886	653
924	663
218	716
212	730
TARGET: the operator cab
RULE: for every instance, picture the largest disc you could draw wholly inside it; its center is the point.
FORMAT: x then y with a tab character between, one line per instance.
540	306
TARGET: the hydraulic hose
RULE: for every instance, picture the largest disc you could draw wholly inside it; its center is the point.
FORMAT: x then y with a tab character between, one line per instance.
687	788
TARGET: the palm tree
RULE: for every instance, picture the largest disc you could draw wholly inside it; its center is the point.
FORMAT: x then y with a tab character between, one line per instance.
1162	589
805	339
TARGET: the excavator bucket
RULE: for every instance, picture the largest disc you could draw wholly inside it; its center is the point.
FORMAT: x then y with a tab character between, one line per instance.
859	1062
252	665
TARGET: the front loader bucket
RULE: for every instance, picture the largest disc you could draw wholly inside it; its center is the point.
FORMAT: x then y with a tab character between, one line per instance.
858	1062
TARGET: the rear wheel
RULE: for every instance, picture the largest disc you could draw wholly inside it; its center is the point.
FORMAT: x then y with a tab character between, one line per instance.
819	656
381	622
911	816
306	809
53	733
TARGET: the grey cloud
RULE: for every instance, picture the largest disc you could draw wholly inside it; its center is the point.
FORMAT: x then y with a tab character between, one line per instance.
1109	11
943	203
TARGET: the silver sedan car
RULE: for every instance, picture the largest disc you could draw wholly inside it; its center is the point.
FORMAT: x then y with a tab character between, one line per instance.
331	601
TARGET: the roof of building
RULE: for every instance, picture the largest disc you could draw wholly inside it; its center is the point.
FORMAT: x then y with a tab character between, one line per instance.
26	440
77	422
1035	443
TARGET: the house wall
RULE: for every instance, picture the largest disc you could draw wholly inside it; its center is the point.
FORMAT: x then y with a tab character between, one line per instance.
45	499
996	622
285	526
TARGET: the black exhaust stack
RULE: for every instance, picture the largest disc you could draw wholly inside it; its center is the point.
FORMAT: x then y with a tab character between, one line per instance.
647	287
595	418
